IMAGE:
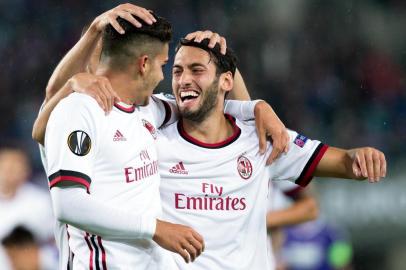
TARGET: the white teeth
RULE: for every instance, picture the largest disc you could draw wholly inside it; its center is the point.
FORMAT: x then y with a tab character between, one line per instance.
188	94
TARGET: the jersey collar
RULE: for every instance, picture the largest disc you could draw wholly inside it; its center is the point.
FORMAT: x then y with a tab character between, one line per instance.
125	107
236	134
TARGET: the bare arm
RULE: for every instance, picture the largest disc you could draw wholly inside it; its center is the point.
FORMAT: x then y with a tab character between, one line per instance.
77	59
240	91
358	163
304	209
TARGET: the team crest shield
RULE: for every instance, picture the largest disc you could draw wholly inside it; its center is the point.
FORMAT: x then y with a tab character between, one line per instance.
244	167
150	128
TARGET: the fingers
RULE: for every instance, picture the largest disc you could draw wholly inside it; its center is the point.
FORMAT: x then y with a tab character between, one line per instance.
184	253
356	169
276	151
362	164
369	163
111	18
223	45
191	250
129	17
126	11
262	137
199	238
140	12
383	164
214	39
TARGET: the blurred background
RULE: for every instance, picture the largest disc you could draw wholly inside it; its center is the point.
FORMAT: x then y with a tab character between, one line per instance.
332	69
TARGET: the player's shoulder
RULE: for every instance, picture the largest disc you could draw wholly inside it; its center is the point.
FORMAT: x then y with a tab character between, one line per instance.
77	103
247	127
169	131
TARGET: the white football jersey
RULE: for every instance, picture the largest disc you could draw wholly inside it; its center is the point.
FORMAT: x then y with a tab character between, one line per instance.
114	157
221	190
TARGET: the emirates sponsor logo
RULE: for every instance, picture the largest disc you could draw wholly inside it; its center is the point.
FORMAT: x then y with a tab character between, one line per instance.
179	169
244	167
118	136
212	198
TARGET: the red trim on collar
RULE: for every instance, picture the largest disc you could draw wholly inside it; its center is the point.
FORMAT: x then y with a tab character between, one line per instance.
130	109
229	140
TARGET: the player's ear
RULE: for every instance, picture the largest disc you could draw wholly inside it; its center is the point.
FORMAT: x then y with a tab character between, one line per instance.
143	63
226	81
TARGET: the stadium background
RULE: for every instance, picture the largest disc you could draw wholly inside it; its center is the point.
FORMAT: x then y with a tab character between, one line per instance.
334	70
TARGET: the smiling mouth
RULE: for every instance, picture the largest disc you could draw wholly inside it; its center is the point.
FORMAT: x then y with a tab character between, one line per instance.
188	95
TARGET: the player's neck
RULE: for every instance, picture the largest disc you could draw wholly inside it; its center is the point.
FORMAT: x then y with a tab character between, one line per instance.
126	87
214	129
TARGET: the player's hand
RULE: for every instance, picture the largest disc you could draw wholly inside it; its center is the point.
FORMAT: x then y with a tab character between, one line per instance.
368	163
180	239
124	11
215	38
269	124
98	87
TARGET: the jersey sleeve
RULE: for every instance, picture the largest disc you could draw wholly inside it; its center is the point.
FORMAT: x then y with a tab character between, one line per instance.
70	141
164	109
242	110
299	164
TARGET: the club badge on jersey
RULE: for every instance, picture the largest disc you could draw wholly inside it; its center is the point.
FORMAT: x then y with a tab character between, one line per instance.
150	128
79	143
244	167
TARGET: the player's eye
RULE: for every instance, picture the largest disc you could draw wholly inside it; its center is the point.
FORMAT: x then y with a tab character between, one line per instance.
176	72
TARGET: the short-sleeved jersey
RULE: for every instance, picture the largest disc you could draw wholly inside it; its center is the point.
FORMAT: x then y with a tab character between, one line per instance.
114	157
221	190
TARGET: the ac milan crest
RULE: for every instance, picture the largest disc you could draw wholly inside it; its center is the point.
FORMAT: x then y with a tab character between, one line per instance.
150	128
244	167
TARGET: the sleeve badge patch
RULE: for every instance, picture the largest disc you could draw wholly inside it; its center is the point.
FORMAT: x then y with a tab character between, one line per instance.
79	143
300	140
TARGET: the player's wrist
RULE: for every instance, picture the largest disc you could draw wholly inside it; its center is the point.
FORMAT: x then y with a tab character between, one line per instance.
259	106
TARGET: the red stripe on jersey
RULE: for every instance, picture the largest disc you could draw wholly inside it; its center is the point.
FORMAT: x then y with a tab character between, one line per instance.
307	174
91	251
229	140
99	240
74	179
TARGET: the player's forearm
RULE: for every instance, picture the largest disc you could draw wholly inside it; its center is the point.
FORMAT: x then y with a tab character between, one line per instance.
304	210
242	110
77	208
336	163
75	61
39	127
240	91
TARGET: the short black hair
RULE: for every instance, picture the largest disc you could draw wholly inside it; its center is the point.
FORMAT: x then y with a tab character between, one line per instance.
224	62
19	236
121	48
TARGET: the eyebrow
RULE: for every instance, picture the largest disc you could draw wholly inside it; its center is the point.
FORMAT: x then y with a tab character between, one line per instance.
191	65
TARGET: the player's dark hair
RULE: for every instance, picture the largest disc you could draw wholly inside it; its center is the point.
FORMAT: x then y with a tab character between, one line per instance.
19	236
224	62
120	49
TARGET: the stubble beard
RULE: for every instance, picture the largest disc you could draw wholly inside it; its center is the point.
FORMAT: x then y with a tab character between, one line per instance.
208	103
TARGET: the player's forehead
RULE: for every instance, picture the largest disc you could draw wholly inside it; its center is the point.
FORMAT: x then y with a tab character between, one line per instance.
188	55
